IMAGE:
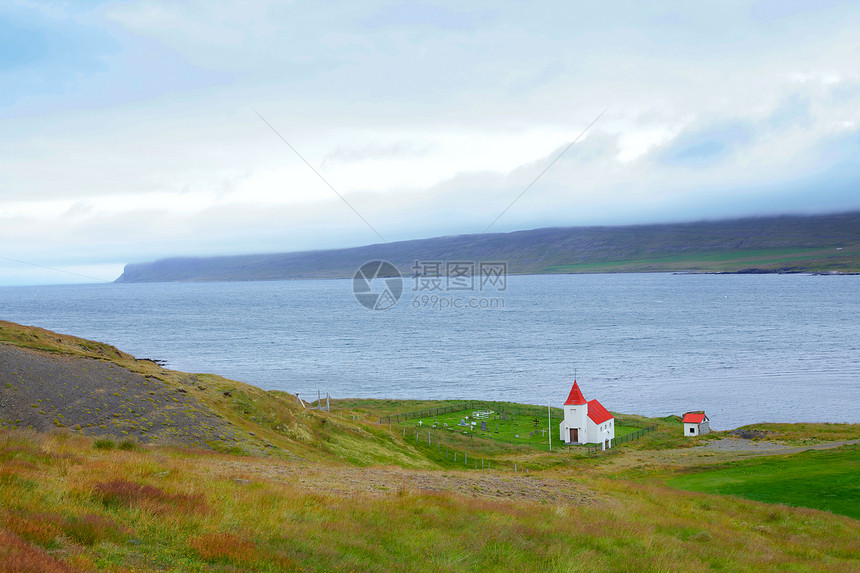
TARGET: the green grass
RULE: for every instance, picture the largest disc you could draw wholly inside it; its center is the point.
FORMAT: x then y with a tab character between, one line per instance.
377	408
802	434
668	435
797	259
527	427
819	479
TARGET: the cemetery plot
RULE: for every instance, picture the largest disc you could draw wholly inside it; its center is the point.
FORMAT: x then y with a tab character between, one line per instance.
520	426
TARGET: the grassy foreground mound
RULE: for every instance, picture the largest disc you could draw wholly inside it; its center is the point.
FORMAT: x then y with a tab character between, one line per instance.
290	489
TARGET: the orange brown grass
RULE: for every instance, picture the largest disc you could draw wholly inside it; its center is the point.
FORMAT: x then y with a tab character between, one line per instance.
121	492
40	528
91	528
18	556
224	547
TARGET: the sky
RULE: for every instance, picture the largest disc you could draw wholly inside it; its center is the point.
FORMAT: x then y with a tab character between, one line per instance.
132	131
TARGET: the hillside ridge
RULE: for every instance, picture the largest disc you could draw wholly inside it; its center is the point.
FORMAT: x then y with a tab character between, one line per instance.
798	243
58	382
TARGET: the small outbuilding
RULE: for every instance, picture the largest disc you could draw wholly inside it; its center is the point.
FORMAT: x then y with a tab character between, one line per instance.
586	421
695	424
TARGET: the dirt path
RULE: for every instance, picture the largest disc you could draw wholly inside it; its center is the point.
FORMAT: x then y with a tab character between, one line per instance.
379	482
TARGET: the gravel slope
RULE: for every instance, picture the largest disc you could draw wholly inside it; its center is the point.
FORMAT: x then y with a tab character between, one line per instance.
44	391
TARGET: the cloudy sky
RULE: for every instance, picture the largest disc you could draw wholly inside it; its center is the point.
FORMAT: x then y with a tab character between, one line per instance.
132	130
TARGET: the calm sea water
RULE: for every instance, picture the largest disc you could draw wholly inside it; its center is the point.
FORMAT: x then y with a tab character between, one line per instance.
745	348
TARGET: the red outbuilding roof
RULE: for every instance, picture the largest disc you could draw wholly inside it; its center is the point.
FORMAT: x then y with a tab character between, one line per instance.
694	417
597	412
575	398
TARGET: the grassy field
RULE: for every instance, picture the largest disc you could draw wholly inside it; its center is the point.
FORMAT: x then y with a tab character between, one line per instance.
802	434
826	480
514	424
847	259
293	489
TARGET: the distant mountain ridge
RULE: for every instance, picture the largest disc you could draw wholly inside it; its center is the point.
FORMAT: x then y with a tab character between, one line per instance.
810	243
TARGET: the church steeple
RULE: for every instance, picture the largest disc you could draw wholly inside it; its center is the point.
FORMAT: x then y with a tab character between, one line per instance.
575	398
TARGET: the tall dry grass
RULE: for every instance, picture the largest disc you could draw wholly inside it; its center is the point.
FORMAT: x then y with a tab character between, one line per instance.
18	556
70	505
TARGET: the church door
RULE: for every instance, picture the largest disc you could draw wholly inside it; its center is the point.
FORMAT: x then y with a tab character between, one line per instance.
574	435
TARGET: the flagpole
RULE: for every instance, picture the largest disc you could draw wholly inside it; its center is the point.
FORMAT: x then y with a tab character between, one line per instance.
549	424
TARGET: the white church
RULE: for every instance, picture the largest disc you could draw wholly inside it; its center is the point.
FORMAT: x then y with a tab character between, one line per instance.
586	421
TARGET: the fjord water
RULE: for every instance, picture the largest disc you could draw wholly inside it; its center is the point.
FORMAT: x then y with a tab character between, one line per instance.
745	348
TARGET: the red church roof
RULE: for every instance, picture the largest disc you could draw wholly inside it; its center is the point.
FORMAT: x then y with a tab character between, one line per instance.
694	418
575	398
598	413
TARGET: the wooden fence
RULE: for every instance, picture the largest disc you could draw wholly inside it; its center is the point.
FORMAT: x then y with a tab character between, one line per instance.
469	405
428	412
633	435
473	404
469	461
595	448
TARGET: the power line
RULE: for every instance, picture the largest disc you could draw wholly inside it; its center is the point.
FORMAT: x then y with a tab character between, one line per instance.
323	179
545	169
55	269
